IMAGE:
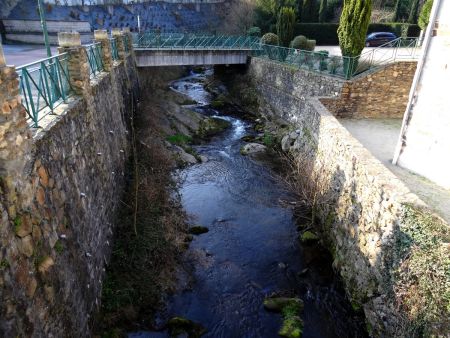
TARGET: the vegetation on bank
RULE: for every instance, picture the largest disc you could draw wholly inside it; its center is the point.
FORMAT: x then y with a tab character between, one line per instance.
422	272
151	234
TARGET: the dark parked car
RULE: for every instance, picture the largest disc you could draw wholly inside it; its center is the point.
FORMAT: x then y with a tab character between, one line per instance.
379	38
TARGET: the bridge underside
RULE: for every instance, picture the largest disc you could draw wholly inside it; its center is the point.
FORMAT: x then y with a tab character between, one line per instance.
190	57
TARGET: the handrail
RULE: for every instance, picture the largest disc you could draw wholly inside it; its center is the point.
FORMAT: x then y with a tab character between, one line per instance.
341	66
114	50
44	85
156	40
94	56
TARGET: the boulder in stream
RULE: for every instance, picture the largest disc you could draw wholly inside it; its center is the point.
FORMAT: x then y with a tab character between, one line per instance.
290	308
198	230
253	149
179	327
212	126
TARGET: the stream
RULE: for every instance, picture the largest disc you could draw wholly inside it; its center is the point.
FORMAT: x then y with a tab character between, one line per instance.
252	249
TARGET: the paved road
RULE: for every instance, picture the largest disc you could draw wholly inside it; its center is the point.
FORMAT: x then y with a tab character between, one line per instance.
18	55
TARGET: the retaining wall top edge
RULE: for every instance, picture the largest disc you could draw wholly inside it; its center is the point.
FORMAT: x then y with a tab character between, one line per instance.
384	178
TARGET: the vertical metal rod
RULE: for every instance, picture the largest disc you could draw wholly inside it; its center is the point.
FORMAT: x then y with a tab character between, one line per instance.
44	27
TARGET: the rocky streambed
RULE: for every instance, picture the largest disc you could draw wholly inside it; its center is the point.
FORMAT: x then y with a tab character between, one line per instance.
248	271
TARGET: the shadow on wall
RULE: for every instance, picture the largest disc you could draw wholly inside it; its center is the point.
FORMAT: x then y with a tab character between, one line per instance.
391	254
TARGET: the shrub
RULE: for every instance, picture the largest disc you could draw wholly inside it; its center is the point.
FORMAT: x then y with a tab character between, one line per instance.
299	42
310	45
424	16
254	31
270	39
285	25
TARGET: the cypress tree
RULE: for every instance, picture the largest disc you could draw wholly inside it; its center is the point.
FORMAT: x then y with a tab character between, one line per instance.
352	31
323	11
285	25
353	26
414	11
309	11
424	16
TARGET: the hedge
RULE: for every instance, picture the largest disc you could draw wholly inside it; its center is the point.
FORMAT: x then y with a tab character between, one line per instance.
326	33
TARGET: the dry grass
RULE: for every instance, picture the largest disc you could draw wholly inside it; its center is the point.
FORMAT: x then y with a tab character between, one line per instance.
308	180
150	234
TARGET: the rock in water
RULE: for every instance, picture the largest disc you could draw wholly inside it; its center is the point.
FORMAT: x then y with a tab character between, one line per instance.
290	308
309	237
198	230
212	126
277	304
292	327
179	326
253	148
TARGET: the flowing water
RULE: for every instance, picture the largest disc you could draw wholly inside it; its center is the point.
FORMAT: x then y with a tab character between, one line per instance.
251	250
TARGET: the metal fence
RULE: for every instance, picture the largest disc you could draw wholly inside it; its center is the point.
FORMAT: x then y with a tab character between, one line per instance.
44	85
114	50
194	41
94	56
340	66
125	44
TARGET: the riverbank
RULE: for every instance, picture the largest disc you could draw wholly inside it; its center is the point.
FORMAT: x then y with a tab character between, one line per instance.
247	246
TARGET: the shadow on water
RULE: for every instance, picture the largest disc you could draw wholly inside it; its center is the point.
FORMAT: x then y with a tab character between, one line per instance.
251	250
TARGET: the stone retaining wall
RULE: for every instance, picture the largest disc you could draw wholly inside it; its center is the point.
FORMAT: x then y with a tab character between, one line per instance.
362	205
60	194
382	94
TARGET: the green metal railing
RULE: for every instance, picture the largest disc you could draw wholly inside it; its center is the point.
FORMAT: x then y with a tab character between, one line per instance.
155	40
114	50
340	66
94	56
44	85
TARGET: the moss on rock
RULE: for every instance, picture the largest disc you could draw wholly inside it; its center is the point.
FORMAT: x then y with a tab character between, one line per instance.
309	237
212	126
179	325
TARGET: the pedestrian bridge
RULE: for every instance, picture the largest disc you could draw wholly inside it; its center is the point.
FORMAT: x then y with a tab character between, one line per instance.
180	49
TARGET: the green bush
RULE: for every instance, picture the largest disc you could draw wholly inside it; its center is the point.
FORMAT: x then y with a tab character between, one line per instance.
310	45
326	33
254	31
270	39
285	25
299	42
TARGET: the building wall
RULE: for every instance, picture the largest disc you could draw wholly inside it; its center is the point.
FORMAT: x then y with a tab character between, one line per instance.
58	204
425	142
382	94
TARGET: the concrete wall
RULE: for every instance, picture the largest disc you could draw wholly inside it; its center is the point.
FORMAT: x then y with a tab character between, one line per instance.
361	204
30	31
360	98
154	57
424	145
61	186
27	26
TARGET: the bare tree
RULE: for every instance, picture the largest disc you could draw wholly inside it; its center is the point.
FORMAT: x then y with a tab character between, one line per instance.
240	16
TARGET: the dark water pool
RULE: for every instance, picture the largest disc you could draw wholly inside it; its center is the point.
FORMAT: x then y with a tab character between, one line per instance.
251	250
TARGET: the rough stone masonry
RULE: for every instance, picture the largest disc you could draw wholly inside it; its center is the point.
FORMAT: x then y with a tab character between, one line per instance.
363	205
60	188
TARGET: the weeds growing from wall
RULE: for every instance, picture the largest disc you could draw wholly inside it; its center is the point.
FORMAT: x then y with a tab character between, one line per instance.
422	273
